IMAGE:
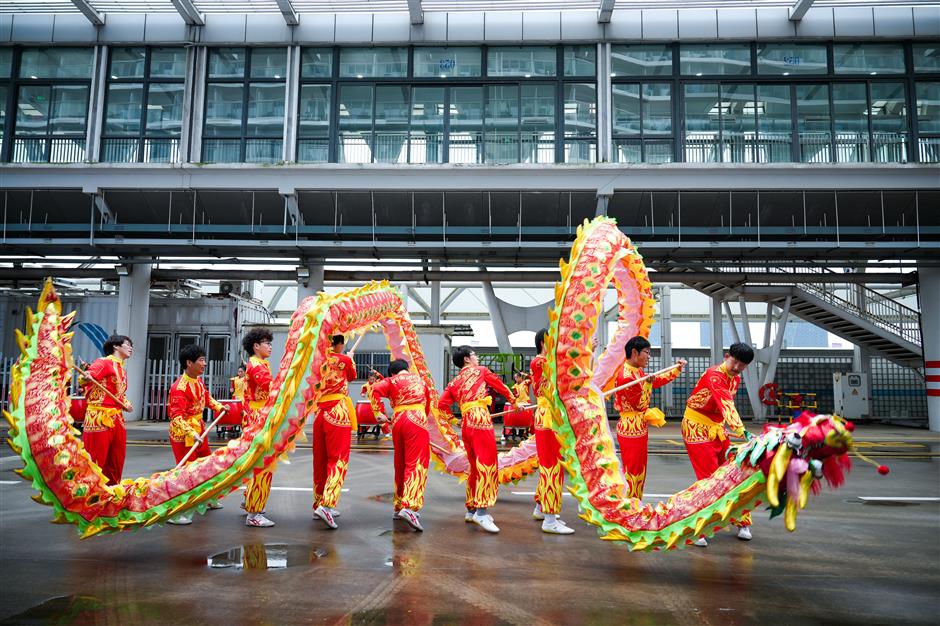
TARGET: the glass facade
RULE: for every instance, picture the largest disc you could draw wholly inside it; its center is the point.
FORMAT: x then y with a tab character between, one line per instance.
758	102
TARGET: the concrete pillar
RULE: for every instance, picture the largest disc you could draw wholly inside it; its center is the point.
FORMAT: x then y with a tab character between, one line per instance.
929	297
132	320
665	331
435	312
496	315
309	280
714	317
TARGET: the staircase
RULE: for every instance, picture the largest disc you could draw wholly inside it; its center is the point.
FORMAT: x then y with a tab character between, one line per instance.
853	312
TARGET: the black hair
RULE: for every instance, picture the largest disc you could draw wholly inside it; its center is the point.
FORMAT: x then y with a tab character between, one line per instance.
256	335
637	343
540	340
335	339
742	352
192	352
460	355
113	342
398	365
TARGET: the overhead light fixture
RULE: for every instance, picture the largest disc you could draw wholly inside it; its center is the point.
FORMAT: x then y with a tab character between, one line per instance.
122	270
303	273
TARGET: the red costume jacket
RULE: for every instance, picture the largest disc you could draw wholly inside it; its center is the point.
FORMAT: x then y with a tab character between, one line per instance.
711	405
102	411
633	402
409	395
469	390
188	397
257	382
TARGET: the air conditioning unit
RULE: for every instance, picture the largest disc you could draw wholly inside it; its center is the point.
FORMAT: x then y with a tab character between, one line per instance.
229	287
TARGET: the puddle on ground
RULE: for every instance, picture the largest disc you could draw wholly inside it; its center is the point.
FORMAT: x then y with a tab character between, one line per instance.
263	556
59	610
889	503
383	497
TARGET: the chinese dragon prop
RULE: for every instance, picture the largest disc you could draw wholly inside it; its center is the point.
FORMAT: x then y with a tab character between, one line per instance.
783	463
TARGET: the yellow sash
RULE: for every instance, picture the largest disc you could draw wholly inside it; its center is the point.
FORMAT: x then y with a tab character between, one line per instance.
401	408
256	404
350	409
652	416
483	403
715	429
97	415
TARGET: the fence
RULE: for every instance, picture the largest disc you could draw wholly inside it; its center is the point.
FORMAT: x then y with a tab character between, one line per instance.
161	373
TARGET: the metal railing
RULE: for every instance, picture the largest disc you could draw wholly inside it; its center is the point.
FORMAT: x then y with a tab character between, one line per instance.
160	375
48	150
136	149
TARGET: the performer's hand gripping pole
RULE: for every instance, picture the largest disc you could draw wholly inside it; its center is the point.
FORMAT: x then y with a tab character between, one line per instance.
201	438
94	382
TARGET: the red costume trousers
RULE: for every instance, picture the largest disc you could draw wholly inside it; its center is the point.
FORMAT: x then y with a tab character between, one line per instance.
551	475
412	455
482	478
633	454
708	456
330	461
180	449
107	448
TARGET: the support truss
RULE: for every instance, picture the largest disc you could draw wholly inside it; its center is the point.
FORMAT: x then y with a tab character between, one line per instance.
89	12
799	9
189	12
416	11
604	11
287	10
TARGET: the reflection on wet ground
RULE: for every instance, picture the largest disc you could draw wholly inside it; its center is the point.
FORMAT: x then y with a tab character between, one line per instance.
383	497
60	610
266	556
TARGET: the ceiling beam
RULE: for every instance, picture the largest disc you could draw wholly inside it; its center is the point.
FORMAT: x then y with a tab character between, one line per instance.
89	11
604	10
416	11
799	9
189	12
287	10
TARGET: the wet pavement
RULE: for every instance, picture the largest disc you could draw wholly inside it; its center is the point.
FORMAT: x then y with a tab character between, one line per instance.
850	561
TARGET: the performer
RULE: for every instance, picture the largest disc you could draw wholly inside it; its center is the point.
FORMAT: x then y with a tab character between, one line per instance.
258	379
411	404
709	410
469	390
373	378
188	398
238	383
103	431
551	474
331	431
635	414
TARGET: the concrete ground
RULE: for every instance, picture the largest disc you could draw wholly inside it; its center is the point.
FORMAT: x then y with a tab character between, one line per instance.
848	562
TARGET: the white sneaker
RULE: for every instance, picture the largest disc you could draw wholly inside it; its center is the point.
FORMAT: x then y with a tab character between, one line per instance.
486	523
335	512
214	506
182	520
411	517
537	513
468	518
556	527
326	515
701	542
257	520
744	533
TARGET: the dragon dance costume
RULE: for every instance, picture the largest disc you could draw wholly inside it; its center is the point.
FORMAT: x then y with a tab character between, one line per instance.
103	432
707	411
364	392
238	387
636	415
331	430
469	390
551	475
188	398
411	405
257	387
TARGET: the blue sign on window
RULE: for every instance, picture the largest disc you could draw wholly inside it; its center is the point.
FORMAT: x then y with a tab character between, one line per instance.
791	61
447	64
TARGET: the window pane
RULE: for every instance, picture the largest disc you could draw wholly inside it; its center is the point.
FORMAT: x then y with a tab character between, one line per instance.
268	62
715	59
314	112
224	110
626	102
266	110
165	109
812	123
888	122
122	116
128	62
926	57
69	104
447	62
502	124
538	123
168	63
580	60
641	60
32	110
427	125
56	63
316	63
466	125
850	110
355	123
391	123
702	123
373	62
580	109
774	126
738	123
6	62
868	58
3	112
657	109
784	59
521	61
226	63
928	121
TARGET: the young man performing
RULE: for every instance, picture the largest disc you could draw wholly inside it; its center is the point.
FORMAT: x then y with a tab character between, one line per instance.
188	398
708	411
468	389
551	473
103	431
331	431
635	415
257	344
411	405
